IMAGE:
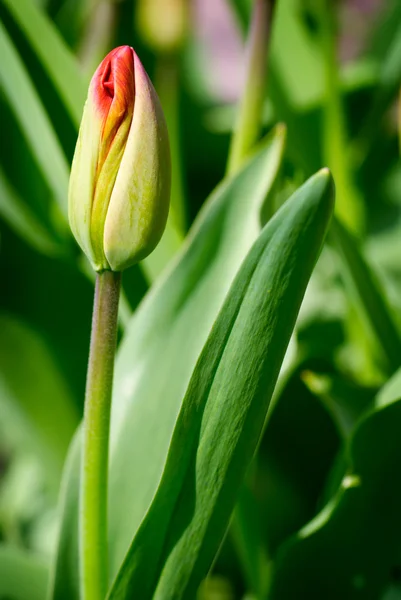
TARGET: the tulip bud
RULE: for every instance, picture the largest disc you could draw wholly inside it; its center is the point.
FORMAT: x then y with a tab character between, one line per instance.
120	178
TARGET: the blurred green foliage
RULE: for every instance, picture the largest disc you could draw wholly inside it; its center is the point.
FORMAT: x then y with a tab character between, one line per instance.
319	513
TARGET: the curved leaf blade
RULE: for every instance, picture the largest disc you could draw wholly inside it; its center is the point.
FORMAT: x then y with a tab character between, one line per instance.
24	221
33	120
224	409
53	53
349	558
370	296
163	339
64	577
34	396
390	391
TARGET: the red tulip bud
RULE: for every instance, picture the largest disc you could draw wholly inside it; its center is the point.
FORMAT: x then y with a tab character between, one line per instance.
120	178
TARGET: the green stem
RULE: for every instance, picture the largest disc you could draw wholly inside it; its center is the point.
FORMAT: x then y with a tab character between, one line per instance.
125	310
247	128
93	501
349	205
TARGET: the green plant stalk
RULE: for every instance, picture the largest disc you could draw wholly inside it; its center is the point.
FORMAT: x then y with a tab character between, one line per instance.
349	209
349	205
93	498
247	127
124	307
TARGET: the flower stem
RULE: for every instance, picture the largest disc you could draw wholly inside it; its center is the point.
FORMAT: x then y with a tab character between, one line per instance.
249	118
349	204
93	500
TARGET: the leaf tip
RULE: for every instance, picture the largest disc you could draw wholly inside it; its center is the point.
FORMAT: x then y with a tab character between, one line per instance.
327	182
280	131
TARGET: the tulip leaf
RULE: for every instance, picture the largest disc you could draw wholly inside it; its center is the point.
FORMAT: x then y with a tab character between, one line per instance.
235	376
34	397
391	390
337	555
23	576
248	541
371	298
24	221
64	576
33	120
295	56
169	245
290	475
53	53
186	299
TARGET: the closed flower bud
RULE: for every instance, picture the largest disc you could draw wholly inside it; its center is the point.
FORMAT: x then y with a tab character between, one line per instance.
120	178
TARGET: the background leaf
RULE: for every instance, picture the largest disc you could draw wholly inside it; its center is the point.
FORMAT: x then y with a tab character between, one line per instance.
64	577
352	544
23	576
370	297
33	120
24	221
349	314
53	53
35	399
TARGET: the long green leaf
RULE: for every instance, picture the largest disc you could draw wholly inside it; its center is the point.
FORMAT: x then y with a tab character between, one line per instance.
34	397
23	576
348	550
166	335
390	391
24	221
33	120
290	475
248	539
370	296
224	409
53	53
64	576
